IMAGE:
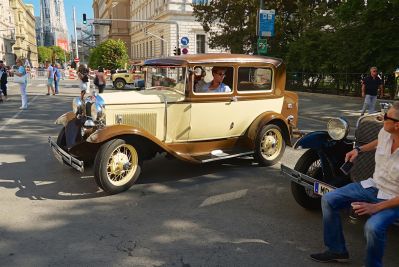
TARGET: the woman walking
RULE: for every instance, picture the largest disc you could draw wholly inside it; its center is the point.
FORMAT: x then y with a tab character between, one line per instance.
100	80
21	72
83	74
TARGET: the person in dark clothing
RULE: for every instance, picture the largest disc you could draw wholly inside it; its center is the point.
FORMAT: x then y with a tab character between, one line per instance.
370	87
3	81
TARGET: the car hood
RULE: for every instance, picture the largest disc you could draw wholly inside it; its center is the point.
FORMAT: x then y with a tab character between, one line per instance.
142	97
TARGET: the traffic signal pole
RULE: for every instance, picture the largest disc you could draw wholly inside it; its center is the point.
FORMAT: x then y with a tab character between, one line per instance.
109	21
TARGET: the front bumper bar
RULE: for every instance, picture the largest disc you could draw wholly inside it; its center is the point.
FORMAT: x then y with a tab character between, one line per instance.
64	158
300	178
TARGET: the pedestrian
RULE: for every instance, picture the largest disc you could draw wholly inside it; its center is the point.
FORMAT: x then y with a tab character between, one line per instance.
83	75
377	197
21	72
99	80
3	82
57	77
370	87
50	78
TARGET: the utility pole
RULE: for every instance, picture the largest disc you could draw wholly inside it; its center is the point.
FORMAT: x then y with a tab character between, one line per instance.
76	35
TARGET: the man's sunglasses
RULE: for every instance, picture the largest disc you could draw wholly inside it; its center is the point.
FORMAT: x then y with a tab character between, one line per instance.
389	118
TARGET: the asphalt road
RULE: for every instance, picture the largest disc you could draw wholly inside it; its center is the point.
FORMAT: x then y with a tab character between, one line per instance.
231	213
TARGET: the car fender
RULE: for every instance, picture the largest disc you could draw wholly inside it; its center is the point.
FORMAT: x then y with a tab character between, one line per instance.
65	118
114	131
268	117
315	140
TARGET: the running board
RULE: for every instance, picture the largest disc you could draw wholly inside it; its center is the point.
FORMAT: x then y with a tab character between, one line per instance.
220	155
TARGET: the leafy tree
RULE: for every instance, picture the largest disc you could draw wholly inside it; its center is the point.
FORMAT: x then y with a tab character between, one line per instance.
59	54
44	53
111	54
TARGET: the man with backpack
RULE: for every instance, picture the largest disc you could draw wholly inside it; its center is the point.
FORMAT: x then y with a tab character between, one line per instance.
57	77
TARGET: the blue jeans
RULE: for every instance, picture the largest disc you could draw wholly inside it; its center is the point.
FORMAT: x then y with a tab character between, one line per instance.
374	230
369	103
56	85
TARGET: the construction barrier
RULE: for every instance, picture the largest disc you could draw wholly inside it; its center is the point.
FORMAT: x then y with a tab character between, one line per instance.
71	73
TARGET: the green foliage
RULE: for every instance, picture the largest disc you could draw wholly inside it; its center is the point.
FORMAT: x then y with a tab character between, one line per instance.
44	53
111	54
311	35
52	54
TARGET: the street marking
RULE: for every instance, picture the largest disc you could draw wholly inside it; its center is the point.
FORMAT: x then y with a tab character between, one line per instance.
16	115
223	198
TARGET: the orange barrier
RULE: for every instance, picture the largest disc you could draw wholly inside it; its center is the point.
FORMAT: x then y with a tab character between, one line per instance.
71	74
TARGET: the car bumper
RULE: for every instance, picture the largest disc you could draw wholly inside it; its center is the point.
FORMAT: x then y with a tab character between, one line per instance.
306	181
64	157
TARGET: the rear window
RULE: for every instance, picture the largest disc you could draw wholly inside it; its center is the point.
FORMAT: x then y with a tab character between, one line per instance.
256	79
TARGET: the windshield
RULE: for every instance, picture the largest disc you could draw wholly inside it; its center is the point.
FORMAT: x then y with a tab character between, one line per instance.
166	78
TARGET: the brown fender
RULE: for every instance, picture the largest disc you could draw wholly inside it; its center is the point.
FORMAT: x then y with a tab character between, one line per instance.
65	118
269	117
114	131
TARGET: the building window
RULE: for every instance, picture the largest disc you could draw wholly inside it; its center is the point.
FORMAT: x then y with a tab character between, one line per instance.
200	38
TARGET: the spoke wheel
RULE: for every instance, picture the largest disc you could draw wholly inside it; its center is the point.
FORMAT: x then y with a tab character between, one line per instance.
117	166
270	145
309	163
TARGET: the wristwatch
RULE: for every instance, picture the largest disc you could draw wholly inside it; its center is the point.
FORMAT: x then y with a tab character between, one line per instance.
358	149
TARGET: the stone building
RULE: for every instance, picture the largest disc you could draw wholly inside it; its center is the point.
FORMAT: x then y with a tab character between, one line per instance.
156	39
7	33
52	25
25	34
112	9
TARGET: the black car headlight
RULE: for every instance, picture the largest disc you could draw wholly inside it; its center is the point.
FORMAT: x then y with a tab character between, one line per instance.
338	128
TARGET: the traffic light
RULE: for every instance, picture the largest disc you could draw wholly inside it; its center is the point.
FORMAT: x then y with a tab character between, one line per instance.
177	51
84	18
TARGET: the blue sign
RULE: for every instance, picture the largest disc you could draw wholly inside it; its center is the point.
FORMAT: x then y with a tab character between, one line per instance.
266	23
184	40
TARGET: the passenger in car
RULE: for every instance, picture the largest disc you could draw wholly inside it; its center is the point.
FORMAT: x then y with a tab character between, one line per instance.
199	75
216	85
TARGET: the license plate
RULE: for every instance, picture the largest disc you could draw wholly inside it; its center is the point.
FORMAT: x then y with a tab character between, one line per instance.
321	189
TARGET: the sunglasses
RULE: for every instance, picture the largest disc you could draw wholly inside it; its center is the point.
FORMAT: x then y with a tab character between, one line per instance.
220	74
389	118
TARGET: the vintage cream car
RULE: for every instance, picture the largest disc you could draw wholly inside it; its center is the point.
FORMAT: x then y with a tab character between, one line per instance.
173	115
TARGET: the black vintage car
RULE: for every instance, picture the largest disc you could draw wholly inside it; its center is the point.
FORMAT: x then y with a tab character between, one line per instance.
318	170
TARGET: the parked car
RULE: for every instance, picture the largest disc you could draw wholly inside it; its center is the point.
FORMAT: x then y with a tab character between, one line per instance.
118	131
318	170
122	77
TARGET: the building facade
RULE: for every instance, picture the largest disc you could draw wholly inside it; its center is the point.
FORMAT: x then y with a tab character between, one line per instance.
112	9
52	24
7	32
156	39
25	35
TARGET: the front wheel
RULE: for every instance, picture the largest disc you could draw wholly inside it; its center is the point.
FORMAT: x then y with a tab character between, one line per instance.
117	166
309	163
119	84
269	145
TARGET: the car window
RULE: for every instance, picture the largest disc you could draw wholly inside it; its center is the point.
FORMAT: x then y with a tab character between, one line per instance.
213	79
254	79
166	78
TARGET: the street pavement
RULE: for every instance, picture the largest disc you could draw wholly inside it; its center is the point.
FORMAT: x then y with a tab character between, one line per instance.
231	213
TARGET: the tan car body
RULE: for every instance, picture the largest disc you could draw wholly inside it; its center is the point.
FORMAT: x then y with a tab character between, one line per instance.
191	126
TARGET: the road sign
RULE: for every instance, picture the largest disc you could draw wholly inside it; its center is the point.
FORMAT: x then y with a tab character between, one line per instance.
76	60
184	40
262	46
184	51
266	23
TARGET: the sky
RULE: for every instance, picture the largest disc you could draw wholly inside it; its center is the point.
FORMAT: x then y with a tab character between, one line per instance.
82	6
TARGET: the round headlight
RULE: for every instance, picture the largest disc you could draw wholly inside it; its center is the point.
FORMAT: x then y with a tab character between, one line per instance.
97	112
77	105
338	128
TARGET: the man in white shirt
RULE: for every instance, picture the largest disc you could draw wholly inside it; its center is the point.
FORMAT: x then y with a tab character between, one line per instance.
377	197
50	78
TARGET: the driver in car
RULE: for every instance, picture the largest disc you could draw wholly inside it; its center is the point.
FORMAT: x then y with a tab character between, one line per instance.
377	197
216	85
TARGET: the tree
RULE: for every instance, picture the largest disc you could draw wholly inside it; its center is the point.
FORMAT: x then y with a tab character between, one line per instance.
59	54
111	54
44	53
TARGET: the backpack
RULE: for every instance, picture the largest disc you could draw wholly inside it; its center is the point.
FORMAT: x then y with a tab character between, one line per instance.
96	81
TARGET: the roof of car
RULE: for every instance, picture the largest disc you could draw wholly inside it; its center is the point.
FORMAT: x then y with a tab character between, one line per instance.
212	58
